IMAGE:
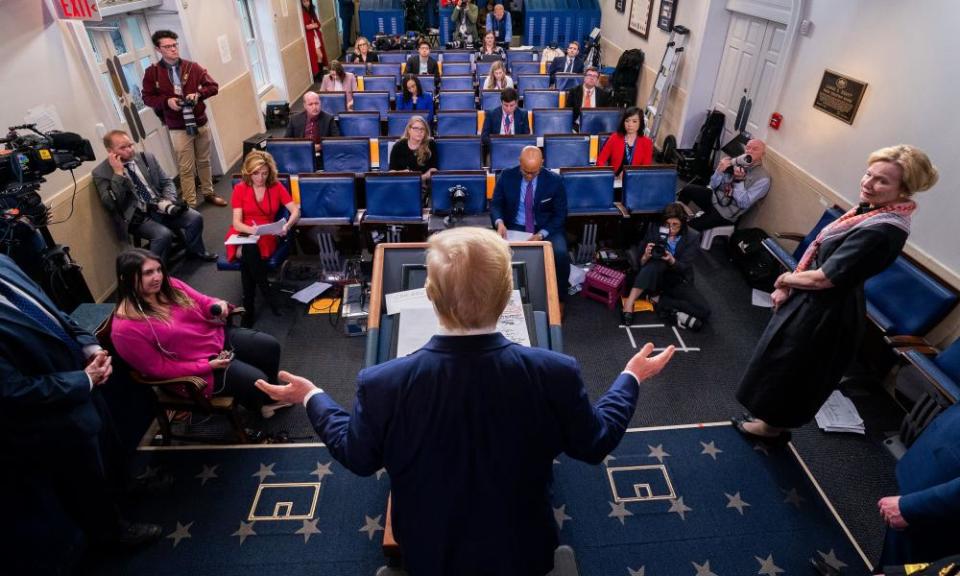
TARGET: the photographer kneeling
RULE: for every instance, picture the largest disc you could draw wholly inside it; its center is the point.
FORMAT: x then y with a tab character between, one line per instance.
163	328
666	271
135	189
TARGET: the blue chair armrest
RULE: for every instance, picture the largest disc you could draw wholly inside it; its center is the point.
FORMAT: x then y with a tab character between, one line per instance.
883	322
777	251
934	374
542	327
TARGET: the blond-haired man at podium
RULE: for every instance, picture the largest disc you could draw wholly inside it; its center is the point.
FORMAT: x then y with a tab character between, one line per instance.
468	426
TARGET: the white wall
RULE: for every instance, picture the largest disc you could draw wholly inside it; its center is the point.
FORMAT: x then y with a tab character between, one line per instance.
905	51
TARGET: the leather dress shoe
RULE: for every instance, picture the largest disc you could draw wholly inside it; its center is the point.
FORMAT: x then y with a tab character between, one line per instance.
780	439
626	318
138	533
206	256
215	200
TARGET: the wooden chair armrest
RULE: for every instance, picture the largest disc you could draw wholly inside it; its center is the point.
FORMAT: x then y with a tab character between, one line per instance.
925	350
796	237
906	340
623	209
197	382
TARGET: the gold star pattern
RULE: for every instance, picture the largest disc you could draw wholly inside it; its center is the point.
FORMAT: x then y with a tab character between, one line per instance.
180	533
208	473
680	508
246	529
560	515
309	528
657	452
736	501
371	526
619	511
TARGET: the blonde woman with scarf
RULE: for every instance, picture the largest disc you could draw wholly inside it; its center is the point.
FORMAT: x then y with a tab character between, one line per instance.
819	307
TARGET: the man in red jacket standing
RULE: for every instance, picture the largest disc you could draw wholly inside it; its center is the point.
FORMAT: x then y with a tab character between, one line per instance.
176	89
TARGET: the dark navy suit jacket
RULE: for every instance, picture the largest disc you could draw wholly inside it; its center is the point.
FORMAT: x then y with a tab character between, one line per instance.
550	201
493	120
468	427
929	480
558	64
45	395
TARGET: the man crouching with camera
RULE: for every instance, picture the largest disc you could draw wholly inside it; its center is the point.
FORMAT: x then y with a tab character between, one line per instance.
143	199
737	185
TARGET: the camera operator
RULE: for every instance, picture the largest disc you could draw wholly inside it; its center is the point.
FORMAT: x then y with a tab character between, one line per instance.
176	88
737	185
143	199
666	271
465	19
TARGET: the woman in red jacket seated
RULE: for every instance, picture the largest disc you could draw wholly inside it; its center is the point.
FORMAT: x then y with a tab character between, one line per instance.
627	146
256	201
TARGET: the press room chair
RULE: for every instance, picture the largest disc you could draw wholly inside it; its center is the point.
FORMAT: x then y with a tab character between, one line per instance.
329	201
489	99
371	102
939	376
378	84
393	57
459	153
365	124
599	120
590	191
457	123
648	189
482	70
346	154
455	68
385	69
523	67
567	81
457	57
532	82
333	103
355	69
475	181
427	83
566	150
533	99
505	150
397	121
394	208
552	121
292	155
385	145
456	83
457	100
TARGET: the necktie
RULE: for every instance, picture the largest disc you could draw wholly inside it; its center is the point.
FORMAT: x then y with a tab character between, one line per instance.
35	312
506	125
528	207
142	191
568	67
588	99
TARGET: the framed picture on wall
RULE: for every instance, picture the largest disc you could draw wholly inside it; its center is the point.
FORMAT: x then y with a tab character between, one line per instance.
639	20
620	6
667	15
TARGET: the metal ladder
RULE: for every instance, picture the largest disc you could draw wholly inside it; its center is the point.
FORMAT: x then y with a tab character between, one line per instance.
653	112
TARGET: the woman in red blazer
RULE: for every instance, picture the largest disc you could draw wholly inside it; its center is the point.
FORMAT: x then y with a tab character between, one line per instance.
627	145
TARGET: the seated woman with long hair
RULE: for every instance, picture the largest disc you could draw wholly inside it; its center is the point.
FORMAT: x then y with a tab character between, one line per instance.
256	201
415	150
490	50
339	80
627	146
165	329
362	54
497	79
412	96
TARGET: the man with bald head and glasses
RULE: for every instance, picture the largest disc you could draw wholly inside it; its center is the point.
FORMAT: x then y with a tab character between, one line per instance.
532	200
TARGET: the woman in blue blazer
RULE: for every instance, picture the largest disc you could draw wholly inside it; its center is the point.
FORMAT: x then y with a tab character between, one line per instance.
412	96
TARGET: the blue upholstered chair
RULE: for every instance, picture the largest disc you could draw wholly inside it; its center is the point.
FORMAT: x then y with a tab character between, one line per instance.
567	81
393	57
355	69
292	155
372	102
519	67
346	154
505	150
457	100
333	102
386	69
648	189
427	83
599	120
327	199
533	99
489	99
366	124
385	145
456	68
589	191
552	121
393	197
532	82
483	68
378	84
461	82
475	181
458	57
457	123
459	153
561	151
397	121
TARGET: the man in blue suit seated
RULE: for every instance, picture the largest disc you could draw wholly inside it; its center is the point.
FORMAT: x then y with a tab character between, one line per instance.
532	200
919	519
52	431
570	64
507	119
468	426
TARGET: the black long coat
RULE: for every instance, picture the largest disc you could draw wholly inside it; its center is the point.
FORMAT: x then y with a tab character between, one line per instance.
813	337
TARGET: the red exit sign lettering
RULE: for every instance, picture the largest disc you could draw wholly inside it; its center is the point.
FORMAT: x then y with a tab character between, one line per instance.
78	9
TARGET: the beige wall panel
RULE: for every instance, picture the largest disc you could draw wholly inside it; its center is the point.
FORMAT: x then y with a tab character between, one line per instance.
236	116
297	68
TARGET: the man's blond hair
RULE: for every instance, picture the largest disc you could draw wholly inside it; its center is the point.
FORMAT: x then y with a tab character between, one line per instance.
469	278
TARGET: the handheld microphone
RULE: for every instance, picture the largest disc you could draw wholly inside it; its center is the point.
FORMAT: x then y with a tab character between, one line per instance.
216	310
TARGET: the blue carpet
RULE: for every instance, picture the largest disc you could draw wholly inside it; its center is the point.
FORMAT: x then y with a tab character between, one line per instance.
710	504
206	518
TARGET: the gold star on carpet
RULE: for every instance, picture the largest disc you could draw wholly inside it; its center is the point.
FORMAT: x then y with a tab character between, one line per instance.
149	472
371	526
831	560
265	471
560	515
680	508
208	473
309	528
710	449
322	470
246	529
619	511
793	497
737	502
641	572
704	569
767	567
180	533
657	452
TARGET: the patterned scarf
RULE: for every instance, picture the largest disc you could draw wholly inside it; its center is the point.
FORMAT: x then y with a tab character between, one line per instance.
897	214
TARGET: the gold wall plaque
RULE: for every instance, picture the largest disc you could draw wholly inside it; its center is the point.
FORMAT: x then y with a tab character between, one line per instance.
839	96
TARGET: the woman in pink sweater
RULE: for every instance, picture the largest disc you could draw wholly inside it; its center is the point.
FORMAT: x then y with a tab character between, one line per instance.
163	328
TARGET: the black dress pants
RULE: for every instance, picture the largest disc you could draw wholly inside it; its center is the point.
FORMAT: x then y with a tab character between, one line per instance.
676	292
256	356
253	274
702	196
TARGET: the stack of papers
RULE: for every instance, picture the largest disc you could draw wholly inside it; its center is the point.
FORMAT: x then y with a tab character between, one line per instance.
838	414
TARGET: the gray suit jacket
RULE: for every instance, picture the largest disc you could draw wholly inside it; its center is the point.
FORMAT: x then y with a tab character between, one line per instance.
117	192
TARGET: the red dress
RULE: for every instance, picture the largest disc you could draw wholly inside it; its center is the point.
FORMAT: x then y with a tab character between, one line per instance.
255	213
314	39
613	152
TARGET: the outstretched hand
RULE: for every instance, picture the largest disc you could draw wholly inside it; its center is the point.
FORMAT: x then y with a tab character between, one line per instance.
293	388
643	366
890	512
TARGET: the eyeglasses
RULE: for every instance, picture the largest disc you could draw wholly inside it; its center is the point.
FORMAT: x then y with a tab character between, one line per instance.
417	128
168	46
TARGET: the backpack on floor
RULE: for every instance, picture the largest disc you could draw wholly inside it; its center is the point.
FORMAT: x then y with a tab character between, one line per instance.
759	268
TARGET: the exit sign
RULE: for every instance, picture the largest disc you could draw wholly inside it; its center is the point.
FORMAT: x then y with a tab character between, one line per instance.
78	9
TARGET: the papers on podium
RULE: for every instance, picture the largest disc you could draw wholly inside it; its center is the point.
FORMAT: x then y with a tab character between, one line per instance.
838	414
418	320
517	236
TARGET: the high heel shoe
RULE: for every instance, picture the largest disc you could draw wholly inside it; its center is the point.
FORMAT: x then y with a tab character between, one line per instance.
780	439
